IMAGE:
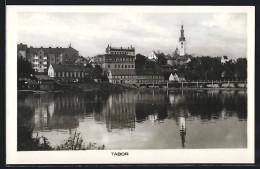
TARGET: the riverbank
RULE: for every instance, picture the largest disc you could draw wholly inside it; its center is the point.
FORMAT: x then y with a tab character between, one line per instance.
107	87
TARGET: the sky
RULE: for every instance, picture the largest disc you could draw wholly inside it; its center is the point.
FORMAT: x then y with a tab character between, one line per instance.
207	34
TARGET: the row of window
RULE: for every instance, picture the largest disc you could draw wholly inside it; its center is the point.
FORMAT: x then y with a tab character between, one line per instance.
36	60
120	59
140	77
139	81
119	53
121	66
69	74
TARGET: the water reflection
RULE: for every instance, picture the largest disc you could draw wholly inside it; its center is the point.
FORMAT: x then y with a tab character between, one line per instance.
139	112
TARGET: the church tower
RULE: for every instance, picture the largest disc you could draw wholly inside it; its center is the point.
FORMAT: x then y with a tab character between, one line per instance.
182	42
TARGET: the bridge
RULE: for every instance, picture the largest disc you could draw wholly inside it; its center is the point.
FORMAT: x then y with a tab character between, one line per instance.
197	84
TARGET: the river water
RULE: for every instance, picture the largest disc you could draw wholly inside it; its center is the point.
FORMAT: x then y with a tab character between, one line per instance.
140	119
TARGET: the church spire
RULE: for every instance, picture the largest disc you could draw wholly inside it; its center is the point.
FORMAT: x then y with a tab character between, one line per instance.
182	38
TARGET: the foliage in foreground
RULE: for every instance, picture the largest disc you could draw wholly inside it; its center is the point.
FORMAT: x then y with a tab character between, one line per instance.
75	142
26	142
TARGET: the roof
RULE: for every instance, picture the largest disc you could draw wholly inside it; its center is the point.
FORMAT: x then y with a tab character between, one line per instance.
120	48
185	57
68	68
125	72
49	50
225	57
44	77
148	72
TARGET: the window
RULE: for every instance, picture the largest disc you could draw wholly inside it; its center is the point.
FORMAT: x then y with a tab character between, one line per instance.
115	66
129	66
67	74
125	66
62	74
132	66
108	66
40	62
122	66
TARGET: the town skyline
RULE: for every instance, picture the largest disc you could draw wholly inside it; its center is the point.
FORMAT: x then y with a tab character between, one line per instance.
214	34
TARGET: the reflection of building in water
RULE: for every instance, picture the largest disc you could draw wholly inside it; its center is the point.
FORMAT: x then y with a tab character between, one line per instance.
51	112
175	98
120	112
182	123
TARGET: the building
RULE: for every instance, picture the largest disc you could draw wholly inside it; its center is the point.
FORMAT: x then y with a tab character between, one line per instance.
21	50
46	82
121	76
115	61
224	59
154	55
177	77
182	60
81	61
120	51
41	58
182	43
67	73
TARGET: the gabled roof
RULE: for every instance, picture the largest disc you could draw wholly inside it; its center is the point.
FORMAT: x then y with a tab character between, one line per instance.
68	68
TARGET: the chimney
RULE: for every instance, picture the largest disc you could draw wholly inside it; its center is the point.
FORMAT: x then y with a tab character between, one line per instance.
41	46
31	47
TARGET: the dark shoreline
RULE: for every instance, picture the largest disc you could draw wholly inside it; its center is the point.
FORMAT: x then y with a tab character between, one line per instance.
141	89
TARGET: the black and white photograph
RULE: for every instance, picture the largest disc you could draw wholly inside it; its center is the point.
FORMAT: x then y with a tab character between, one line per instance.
130	84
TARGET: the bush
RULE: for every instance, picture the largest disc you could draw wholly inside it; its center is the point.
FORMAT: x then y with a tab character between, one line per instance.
75	142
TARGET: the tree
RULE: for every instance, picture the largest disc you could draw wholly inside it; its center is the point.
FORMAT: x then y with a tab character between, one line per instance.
161	59
98	71
241	68
140	61
24	68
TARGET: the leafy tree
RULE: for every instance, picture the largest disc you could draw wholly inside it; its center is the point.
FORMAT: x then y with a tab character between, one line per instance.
140	61
24	68
161	59
241	68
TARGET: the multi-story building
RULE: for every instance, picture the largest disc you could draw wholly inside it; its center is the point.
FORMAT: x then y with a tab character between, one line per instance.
41	58
125	51
116	58
115	61
117	76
